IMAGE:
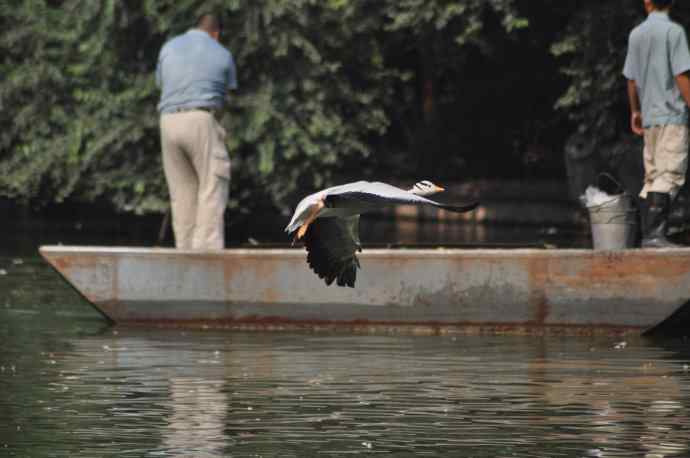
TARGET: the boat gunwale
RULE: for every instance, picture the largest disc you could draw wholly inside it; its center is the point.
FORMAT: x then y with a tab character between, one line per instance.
439	252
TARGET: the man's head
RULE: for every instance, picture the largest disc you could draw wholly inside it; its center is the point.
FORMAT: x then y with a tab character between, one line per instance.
210	23
657	5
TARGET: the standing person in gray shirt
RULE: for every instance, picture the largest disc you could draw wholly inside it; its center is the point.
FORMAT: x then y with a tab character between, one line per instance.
194	72
656	67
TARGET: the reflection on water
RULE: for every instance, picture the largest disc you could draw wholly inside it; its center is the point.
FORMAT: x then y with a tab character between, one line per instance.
71	386
374	229
196	404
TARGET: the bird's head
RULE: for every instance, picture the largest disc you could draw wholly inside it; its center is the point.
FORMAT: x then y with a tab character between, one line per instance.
425	188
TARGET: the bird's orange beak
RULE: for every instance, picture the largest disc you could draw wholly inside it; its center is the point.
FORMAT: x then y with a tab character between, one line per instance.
440	189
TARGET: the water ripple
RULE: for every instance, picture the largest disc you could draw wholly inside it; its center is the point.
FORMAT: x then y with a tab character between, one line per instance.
71	387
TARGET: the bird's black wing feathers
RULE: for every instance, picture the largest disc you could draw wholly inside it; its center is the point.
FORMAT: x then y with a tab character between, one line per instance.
331	246
359	199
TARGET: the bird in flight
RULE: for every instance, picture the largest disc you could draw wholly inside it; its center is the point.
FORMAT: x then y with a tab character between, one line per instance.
328	221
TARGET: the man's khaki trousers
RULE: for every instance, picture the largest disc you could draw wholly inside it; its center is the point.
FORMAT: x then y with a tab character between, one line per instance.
197	170
665	159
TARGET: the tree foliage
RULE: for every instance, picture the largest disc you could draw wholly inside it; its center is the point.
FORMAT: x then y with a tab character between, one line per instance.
329	90
595	44
78	101
323	87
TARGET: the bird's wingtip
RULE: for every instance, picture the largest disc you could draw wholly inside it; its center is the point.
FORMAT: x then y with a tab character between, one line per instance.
460	207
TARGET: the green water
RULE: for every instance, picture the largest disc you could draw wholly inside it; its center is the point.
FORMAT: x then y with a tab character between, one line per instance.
71	386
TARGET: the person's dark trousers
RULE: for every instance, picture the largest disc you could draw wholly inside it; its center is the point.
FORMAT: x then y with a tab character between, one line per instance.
656	221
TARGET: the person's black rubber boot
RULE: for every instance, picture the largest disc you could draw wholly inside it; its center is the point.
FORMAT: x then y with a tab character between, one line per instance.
658	207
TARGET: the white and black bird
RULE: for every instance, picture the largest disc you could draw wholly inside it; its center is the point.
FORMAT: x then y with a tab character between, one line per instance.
328	221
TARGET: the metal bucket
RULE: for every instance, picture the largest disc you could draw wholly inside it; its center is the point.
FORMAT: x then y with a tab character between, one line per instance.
613	223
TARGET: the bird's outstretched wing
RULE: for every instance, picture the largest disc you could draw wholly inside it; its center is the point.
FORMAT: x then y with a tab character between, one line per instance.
331	245
377	194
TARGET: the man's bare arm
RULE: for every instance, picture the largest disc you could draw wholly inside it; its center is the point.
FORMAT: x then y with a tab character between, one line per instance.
683	82
635	114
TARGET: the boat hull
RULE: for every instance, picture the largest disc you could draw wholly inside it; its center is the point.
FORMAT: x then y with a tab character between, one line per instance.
428	290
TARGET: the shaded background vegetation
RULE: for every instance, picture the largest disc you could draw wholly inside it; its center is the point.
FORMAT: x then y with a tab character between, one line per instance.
330	90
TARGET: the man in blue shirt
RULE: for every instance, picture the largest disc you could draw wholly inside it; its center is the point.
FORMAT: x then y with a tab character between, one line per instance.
194	72
656	67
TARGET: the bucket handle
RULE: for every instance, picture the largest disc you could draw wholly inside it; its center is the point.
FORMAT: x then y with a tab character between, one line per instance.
612	179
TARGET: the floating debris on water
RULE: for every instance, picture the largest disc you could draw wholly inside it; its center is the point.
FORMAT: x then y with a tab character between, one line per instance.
3	272
620	345
17	261
367	444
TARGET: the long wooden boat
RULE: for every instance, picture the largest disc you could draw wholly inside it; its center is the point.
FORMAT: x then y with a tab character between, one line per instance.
423	290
